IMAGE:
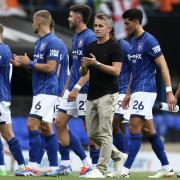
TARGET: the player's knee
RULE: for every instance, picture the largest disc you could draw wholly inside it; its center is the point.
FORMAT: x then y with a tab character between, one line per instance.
134	129
45	132
7	135
31	126
60	124
148	132
116	130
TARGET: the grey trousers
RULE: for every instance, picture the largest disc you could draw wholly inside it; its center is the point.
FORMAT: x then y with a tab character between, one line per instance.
99	118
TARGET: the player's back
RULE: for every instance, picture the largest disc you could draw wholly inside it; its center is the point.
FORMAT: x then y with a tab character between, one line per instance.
46	48
80	41
143	51
126	68
5	72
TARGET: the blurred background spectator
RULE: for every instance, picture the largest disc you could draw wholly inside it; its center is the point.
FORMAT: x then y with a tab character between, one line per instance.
11	7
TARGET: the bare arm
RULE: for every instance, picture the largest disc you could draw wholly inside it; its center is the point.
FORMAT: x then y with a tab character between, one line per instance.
47	67
177	95
82	81
161	63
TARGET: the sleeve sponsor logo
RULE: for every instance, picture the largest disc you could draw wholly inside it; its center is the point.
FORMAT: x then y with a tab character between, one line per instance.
54	52
156	49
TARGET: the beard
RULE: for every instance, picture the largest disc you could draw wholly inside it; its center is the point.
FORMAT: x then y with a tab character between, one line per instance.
72	26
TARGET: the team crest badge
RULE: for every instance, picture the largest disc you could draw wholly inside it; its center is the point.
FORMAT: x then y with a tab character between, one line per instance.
80	43
43	46
140	47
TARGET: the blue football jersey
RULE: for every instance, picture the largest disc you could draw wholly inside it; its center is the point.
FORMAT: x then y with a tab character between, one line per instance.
48	47
79	44
63	72
5	72
125	69
143	51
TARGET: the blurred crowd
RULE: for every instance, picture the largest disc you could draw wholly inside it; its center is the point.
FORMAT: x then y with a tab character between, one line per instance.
21	7
114	8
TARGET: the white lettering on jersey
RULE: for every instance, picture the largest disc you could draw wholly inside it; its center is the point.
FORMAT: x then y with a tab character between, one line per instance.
77	53
133	58
54	52
156	49
38	56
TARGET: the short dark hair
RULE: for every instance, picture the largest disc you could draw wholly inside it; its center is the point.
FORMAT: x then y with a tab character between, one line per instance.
82	9
133	14
44	16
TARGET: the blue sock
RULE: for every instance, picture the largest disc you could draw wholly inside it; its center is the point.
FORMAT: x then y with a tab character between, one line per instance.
133	149
16	151
119	141
94	154
34	145
1	153
158	148
51	145
127	136
41	150
75	145
64	151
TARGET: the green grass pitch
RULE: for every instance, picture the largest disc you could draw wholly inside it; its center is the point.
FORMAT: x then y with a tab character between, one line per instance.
134	176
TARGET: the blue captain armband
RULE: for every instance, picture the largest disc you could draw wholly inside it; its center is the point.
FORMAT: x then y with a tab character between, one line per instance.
32	64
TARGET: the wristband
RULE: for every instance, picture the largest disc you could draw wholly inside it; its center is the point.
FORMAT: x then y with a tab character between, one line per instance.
32	64
168	89
77	86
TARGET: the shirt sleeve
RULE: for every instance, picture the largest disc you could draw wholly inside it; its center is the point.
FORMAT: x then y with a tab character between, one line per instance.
54	51
153	47
6	55
90	39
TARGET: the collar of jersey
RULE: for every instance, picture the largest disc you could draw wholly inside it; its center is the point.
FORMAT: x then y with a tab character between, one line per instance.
46	35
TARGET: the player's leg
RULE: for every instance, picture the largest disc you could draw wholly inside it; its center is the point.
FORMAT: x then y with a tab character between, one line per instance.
158	148
33	125
72	141
65	136
14	146
7	133
140	107
50	144
41	151
42	110
65	166
2	165
135	126
61	123
119	139
141	110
